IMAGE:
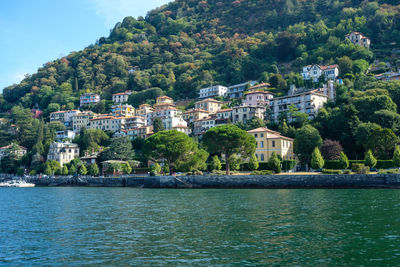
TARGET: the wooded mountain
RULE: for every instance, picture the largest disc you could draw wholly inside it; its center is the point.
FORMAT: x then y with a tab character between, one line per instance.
188	44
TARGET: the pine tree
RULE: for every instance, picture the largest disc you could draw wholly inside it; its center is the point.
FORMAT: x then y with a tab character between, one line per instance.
94	169
253	163
343	161
216	163
274	163
396	156
48	170
82	170
317	161
72	170
369	159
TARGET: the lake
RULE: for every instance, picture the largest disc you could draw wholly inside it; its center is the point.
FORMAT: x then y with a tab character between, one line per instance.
158	227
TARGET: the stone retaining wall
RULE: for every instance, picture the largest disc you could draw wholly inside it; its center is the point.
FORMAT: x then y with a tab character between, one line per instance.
237	181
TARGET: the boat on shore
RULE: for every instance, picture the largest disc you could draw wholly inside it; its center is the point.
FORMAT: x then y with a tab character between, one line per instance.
16	183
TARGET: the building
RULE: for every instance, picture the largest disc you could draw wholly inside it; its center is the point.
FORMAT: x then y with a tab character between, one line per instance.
209	104
164	100
257	98
194	114
313	72
122	110
81	120
358	38
89	98
202	125
13	148
259	87
135	122
388	76
212	91
64	116
107	123
36	113
143	110
237	90
308	102
120	98
63	152
143	132
268	141
244	113
170	117
183	129
66	134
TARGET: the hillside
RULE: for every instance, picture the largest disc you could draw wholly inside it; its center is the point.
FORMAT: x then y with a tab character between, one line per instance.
185	45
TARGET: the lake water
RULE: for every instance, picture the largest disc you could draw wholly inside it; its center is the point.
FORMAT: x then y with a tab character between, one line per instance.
142	227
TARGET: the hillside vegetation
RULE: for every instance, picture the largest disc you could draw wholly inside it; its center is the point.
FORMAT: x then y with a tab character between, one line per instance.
189	44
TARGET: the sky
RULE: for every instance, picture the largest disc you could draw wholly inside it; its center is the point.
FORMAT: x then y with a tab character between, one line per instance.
33	32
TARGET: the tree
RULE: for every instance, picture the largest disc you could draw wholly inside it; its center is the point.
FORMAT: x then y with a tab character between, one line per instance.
343	161
120	149
306	139
83	170
253	162
216	163
229	140
396	156
156	168
345	65
317	161
158	125
94	169
369	159
48	170
274	163
382	143
126	168
331	150
64	170
72	170
173	147
278	82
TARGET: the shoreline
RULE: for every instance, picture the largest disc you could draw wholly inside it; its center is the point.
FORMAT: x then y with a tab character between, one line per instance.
235	181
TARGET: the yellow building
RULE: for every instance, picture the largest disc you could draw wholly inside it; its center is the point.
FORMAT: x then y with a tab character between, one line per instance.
209	104
124	110
269	141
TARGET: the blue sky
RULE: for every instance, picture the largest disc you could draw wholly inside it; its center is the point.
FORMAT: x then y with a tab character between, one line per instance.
33	32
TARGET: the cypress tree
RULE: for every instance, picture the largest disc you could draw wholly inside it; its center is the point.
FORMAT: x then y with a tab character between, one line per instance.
317	161
396	156
369	159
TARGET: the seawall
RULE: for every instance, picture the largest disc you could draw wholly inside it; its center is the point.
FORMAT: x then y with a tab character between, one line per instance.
237	181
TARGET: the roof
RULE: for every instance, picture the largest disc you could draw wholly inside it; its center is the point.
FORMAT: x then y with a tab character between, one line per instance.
103	118
164	96
196	110
224	110
260	85
258	92
329	67
123	93
8	146
357	33
209	100
180	126
273	133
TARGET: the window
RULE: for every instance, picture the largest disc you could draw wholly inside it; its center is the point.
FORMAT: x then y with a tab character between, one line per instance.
262	135
255	135
273	143
262	144
262	157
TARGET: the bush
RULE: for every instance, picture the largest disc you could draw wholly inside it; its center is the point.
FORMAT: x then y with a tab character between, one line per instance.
332	164
347	172
360	168
328	171
391	171
385	164
263	172
288	165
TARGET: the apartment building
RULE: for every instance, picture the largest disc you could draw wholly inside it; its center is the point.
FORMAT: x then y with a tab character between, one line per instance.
64	116
213	91
120	98
81	120
194	114
244	113
209	104
122	110
257	98
89	98
237	90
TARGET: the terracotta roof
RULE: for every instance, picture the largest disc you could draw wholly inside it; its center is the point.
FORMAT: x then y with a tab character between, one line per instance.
258	92
124	93
273	133
209	100
8	146
329	67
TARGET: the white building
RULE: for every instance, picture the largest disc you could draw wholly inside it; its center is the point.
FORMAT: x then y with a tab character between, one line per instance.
237	90
212	91
313	72
209	104
64	116
245	113
63	152
89	98
308	102
257	98
170	117
120	98
358	38
67	134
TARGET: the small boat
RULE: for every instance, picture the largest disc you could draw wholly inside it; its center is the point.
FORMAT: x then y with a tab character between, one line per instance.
16	183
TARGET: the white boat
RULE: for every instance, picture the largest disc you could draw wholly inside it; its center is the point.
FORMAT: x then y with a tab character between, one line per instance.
16	183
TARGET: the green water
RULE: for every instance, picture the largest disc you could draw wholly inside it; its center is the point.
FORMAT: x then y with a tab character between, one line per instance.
151	227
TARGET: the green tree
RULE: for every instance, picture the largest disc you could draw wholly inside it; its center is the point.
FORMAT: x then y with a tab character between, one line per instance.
253	162
274	163
48	170
317	161
382	143
369	159
229	140
72	170
306	139
396	156
94	169
64	170
120	149
216	163
343	161
83	170
345	65
158	125
156	168
126	168
174	147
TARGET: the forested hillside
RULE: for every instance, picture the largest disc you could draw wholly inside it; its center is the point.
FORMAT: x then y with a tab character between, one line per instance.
188	44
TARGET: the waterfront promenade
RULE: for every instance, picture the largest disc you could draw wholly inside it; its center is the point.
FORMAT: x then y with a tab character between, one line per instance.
236	181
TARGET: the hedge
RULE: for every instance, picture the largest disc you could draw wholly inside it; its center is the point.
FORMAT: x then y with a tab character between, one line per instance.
335	165
385	164
286	166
